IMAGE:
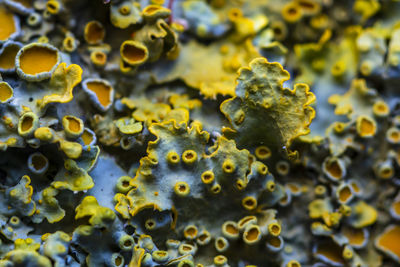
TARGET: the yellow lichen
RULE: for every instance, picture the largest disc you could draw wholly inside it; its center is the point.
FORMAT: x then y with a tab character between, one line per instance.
7	22
38	59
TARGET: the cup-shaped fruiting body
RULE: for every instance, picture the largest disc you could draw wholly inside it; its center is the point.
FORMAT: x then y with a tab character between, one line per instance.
6	92
291	12
246	221
228	166
274	243
117	260
14	221
37	61
344	193
365	126
123	184
334	168
73	126
279	30
44	134
70	44
357	190
8	53
53	7
286	199
181	189
274	229
127	142
134	53
9	25
270	186
220	260
329	252
384	169
98	58
230	230
72	150
187	249
207	177
320	190
88	137
34	19
293	263
392	135
294	188
173	158
252	234
100	93
249	203
357	238
27	124
348	253
282	167
94	32
215	188
203	238
38	163
262	169
389	242
126	242
221	244
380	109
190	232
189	157
150	224
186	263
308	7
160	256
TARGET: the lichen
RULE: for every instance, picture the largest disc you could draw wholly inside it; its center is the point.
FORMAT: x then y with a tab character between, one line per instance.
199	133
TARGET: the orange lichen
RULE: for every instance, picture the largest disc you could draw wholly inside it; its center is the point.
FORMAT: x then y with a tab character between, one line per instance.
27	123
38	59
389	241
356	237
252	234
190	232
133	52
274	241
102	92
247	221
396	207
333	168
344	194
331	251
366	127
94	32
231	229
73	124
6	91
87	137
7	23
98	58
7	58
380	109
